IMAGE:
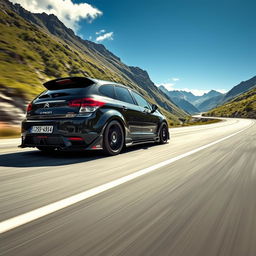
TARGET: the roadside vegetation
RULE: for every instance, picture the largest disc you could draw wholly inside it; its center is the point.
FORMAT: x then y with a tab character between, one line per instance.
7	131
34	57
199	121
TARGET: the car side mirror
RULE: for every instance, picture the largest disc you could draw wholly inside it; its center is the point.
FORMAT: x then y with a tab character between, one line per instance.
154	108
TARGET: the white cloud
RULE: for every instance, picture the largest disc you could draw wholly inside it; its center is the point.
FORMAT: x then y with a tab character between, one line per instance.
90	38
222	90
197	92
100	32
106	36
80	35
68	12
175	79
170	87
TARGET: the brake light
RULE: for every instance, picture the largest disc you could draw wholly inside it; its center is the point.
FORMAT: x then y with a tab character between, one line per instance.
29	107
86	104
64	81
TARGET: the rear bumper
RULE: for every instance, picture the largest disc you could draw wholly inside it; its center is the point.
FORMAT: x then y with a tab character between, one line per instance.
67	135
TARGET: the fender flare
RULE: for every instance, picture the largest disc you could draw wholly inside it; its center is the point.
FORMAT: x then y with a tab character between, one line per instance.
114	115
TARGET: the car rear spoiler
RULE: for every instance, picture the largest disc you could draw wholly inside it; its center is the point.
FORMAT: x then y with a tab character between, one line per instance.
69	82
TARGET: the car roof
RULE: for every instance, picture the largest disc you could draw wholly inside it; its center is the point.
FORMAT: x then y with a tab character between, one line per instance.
102	82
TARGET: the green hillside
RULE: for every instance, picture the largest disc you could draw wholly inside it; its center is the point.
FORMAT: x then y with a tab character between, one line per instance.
243	106
31	55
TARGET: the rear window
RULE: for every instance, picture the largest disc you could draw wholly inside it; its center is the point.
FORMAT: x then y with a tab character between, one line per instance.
107	90
68	83
63	93
123	94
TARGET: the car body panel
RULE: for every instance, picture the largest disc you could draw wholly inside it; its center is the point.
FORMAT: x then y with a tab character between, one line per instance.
57	108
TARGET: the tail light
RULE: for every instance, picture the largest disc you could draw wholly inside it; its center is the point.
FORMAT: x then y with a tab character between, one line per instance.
29	107
87	105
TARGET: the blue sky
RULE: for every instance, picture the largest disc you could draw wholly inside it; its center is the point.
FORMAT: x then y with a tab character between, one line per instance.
194	44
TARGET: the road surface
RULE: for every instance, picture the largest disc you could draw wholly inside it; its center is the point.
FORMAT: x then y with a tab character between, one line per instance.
195	195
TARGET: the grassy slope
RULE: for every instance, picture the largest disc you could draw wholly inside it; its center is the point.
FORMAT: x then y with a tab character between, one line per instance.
34	56
243	105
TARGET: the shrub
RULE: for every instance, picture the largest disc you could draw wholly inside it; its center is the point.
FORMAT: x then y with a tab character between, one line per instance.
53	68
9	132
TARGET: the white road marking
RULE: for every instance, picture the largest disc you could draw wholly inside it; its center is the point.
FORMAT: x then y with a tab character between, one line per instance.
61	204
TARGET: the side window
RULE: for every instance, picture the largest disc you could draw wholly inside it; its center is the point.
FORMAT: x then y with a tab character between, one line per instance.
123	94
107	90
141	101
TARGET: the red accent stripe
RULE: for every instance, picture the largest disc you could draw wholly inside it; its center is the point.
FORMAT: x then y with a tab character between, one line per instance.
76	138
64	81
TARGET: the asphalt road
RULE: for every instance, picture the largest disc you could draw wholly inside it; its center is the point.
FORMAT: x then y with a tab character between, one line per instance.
199	198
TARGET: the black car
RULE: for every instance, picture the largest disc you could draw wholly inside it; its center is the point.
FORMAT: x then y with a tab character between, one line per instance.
77	113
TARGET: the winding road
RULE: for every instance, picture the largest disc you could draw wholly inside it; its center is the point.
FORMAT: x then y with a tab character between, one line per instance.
194	196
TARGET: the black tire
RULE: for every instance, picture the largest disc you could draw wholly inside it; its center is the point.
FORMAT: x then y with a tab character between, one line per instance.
46	149
163	134
113	138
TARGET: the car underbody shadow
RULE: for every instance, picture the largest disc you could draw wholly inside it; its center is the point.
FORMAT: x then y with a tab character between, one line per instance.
36	158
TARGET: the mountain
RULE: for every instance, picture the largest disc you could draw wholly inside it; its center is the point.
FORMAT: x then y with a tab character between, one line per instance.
185	105
179	98
188	96
206	97
232	109
240	88
243	105
163	89
210	103
211	93
38	47
194	104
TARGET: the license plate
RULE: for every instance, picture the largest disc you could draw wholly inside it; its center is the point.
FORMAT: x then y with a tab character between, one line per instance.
42	129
